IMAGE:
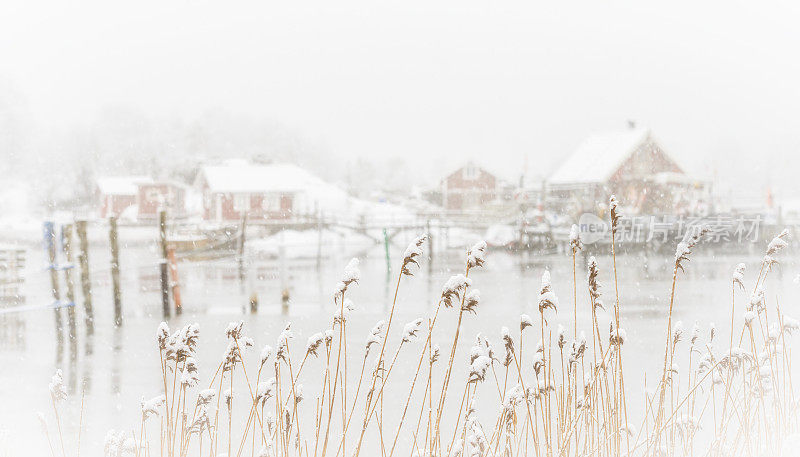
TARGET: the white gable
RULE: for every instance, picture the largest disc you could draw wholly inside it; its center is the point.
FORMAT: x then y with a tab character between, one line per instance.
597	158
244	177
121	185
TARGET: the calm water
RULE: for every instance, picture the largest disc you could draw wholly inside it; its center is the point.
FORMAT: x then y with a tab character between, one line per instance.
120	365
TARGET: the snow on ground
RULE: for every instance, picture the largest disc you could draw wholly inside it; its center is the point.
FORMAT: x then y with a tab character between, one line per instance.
312	194
304	244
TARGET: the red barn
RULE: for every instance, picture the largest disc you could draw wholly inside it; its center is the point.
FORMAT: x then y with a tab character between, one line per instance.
266	192
118	193
630	164
468	187
152	196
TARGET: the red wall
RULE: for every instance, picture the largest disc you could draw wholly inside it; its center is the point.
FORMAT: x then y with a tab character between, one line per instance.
461	191
113	205
255	212
173	196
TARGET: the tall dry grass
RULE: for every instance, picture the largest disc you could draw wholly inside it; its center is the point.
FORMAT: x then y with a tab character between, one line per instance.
567	399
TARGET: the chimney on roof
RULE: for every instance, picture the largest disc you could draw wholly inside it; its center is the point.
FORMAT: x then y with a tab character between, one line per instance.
631	124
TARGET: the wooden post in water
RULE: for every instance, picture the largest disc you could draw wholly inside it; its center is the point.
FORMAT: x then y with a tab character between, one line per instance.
240	247
50	246
112	239
66	245
162	231
86	284
430	245
386	249
319	239
173	276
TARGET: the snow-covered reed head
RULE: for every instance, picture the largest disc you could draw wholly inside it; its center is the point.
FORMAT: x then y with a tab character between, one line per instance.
508	345
265	390
351	274
234	330
471	301
476	255
790	324
412	254
57	389
228	396
575	239
454	288
190	376
525	321
578	349
206	396
283	342
162	335
677	332
340	315
200	423
594	284
375	335
266	353
776	245
411	329
313	344
562	339
298	393
151	407
482	347
480	362
547	298
117	444
614	211
617	336
183	343
685	247
758	299
738	275
435	353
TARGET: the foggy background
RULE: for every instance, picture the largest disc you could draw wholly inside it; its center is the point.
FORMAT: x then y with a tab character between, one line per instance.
393	95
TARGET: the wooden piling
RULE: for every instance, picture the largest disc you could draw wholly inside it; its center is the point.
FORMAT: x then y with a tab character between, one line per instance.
173	276
240	248
430	245
112	238
386	249
162	231
86	283
66	245
50	245
319	240
254	302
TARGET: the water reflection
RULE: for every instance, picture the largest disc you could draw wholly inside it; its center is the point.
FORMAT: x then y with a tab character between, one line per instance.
12	332
118	334
216	292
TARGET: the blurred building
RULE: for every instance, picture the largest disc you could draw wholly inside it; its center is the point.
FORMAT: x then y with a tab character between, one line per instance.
632	165
468	187
115	194
153	196
236	188
139	198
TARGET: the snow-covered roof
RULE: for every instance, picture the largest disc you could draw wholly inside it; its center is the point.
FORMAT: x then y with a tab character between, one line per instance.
311	192
121	185
245	177
597	158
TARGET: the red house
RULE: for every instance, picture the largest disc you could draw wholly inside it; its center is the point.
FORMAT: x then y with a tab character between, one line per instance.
262	191
630	164
152	196
468	187
118	193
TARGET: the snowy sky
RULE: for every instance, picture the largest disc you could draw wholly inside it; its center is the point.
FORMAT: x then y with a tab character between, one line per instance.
434	82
